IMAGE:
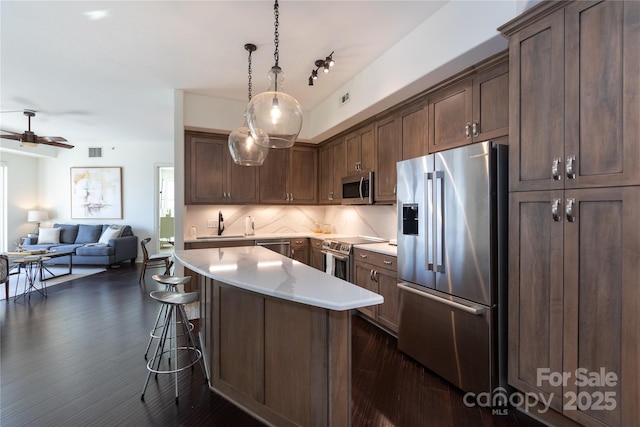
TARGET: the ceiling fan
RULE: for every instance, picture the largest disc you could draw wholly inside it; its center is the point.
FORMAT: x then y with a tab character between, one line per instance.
30	139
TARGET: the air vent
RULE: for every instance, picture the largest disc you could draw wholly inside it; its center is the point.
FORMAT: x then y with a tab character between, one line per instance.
95	151
344	99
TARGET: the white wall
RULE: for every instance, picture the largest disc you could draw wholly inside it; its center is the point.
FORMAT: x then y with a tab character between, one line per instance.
22	195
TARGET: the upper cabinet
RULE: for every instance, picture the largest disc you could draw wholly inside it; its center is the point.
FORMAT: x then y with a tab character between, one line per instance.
575	84
472	110
415	128
290	176
333	166
211	176
388	152
360	146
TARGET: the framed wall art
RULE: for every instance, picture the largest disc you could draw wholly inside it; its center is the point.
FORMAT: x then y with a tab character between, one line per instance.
96	193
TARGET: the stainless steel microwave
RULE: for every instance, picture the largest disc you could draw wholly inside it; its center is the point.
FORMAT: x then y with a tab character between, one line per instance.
357	189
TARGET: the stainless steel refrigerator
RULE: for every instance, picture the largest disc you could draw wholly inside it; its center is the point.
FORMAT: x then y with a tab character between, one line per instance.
452	231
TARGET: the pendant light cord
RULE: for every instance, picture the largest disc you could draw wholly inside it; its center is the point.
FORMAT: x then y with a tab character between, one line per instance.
249	72
276	34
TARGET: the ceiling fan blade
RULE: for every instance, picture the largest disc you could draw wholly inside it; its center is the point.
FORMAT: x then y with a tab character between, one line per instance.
51	139
54	143
16	136
10	131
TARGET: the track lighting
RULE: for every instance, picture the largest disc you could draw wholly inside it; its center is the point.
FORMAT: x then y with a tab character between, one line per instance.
325	64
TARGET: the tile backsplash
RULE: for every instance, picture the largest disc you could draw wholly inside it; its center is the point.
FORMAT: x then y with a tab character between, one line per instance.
378	221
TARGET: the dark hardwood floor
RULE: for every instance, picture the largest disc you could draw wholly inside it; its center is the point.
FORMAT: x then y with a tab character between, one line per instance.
76	359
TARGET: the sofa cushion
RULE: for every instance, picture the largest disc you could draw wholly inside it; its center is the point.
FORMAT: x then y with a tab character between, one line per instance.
66	247
109	233
48	235
95	250
88	233
68	232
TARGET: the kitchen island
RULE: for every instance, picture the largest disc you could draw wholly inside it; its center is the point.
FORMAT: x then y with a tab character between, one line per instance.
276	334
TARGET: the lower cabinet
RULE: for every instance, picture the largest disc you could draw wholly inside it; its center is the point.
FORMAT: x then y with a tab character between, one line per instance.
316	257
378	273
300	250
574	290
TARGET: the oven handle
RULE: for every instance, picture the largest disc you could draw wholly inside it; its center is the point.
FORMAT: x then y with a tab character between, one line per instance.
338	257
465	308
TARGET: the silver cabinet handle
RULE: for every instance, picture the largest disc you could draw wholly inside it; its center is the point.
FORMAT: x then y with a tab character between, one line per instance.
229	195
474	128
555	169
570	167
387	262
375	276
555	206
371	275
467	130
363	255
291	197
330	195
293	252
395	189
569	210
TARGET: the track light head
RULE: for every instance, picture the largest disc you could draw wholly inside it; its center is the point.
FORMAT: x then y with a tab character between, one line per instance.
310	81
329	61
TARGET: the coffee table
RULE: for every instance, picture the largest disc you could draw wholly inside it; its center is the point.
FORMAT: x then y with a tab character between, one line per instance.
32	266
56	254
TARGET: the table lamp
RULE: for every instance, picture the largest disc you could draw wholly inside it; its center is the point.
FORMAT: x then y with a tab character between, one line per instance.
37	216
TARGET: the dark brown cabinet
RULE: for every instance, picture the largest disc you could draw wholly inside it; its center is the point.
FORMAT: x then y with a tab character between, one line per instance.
211	176
333	166
289	176
300	250
472	110
575	122
316	257
360	150
378	273
574	208
388	152
415	128
573	295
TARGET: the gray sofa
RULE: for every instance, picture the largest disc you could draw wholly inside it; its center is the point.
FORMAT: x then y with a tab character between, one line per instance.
85	242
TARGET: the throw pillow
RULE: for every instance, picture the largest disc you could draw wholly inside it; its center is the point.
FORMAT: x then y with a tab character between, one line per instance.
48	235
88	233
110	233
68	232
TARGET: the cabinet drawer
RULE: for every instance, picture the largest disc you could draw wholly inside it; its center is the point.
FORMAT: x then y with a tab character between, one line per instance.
376	259
316	243
299	243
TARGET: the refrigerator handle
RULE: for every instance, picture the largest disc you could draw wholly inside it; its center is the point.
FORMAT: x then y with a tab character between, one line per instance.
440	221
429	222
467	309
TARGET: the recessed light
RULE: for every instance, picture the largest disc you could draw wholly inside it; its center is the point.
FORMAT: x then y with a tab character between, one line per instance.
95	15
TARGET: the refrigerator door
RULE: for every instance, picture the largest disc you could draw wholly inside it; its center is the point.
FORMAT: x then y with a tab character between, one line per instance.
415	221
463	208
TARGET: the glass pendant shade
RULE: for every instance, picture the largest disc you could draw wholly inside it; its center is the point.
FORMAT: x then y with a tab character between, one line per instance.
279	115
243	148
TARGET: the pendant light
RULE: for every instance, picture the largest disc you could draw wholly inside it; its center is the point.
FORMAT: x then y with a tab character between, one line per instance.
242	145
279	115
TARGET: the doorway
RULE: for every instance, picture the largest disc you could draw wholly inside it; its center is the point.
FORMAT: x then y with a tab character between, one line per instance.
166	208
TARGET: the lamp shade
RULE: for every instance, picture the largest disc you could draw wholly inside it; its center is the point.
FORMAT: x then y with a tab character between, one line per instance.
275	113
37	216
244	150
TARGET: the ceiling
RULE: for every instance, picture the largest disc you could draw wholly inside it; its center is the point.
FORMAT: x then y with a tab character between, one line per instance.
95	81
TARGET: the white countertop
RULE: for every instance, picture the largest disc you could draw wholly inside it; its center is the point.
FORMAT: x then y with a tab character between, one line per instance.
261	270
382	248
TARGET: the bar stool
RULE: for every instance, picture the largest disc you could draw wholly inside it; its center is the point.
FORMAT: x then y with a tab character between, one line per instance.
170	282
190	352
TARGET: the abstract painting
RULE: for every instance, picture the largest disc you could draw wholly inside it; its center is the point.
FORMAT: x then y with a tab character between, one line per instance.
96	193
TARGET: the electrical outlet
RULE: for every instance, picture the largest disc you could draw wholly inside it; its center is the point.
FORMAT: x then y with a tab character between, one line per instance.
211	223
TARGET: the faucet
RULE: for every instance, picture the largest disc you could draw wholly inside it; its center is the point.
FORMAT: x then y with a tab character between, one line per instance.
220	223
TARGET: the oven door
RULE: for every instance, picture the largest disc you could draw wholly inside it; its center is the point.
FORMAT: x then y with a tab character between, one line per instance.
337	265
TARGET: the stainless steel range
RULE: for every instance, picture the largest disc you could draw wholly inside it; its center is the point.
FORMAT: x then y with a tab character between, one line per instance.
339	254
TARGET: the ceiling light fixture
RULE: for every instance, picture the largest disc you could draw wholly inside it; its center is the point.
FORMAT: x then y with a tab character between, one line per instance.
242	146
279	115
325	64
